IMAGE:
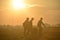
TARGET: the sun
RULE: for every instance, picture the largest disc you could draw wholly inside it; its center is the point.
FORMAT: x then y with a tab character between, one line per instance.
19	4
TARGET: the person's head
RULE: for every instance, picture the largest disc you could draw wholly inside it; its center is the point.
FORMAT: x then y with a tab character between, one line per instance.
32	19
27	18
41	18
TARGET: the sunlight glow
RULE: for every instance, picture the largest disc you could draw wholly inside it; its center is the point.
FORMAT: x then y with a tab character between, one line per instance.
19	4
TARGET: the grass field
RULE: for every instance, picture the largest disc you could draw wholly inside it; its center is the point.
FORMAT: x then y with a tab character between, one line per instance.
8	32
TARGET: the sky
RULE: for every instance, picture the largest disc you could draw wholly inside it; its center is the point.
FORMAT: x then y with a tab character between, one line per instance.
48	9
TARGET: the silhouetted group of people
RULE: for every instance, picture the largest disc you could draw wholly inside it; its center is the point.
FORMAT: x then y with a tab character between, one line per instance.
28	24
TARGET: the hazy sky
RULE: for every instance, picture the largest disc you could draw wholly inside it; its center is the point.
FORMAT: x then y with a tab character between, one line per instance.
48	9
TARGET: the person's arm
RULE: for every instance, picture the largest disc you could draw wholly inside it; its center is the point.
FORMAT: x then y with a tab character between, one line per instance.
43	24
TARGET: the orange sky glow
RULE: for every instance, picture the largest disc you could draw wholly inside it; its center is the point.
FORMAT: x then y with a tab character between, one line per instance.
14	12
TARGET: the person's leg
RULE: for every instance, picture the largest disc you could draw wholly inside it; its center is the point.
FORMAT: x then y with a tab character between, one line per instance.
24	31
40	33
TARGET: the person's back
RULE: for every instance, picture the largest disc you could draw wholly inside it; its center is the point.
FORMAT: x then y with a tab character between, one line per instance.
40	23
31	22
26	22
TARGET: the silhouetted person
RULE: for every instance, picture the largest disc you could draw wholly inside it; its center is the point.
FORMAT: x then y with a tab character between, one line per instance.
30	25
26	24
39	24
